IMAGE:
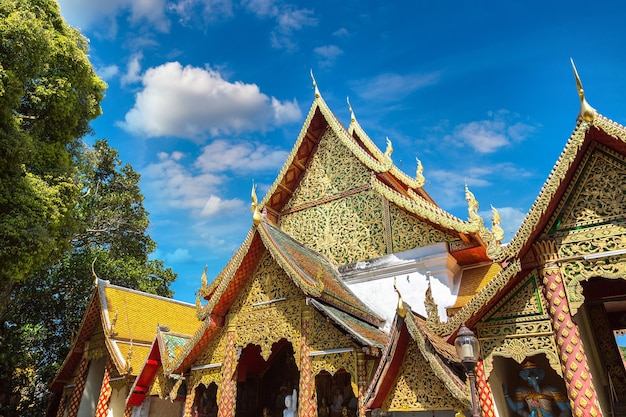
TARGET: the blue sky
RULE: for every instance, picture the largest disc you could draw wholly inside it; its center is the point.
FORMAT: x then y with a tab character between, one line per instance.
205	96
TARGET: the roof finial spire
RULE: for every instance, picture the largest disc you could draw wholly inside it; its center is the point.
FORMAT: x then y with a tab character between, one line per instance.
352	117
317	91
587	112
254	207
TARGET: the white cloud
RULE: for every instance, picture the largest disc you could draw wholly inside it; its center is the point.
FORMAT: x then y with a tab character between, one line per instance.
216	205
133	68
174	186
393	87
221	155
107	72
288	18
88	15
487	136
327	55
179	256
192	102
201	11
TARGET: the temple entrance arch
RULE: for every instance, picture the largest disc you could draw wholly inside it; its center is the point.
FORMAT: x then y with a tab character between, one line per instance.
334	393
264	384
206	400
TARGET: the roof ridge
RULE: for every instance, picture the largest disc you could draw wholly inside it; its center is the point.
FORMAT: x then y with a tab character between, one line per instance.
108	284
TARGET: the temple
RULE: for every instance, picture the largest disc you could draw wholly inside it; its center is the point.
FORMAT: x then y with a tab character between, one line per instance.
350	290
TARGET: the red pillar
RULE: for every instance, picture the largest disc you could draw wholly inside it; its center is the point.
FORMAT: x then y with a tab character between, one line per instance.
580	387
484	391
79	386
228	396
102	409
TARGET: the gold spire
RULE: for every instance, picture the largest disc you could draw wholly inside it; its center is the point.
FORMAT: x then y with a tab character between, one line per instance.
587	113
352	117
317	91
401	310
203	278
254	207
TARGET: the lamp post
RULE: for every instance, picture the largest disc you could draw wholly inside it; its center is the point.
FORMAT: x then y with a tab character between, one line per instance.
468	350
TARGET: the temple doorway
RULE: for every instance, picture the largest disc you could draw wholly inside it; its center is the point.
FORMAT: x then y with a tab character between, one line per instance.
264	384
602	322
335	395
206	400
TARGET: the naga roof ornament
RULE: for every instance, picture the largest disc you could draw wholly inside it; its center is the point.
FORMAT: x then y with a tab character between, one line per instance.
472	208
389	150
419	174
498	232
587	113
254	206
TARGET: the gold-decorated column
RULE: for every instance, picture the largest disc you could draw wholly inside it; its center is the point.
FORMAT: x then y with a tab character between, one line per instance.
578	379
228	388
307	406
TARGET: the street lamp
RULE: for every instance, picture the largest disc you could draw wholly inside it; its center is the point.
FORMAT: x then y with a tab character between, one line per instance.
468	350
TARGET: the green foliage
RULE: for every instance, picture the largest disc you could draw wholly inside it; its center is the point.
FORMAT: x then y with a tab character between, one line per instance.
111	241
65	211
49	93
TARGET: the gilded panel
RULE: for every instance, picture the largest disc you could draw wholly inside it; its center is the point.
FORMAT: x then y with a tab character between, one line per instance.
206	377
333	362
599	193
520	348
325	336
417	387
408	232
524	302
269	282
215	350
345	230
333	170
268	309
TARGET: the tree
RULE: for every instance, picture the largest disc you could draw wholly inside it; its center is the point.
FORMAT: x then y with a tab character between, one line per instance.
111	240
49	93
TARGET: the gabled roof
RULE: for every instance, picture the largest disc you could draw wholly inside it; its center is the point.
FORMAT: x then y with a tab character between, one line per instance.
164	349
388	180
592	130
440	356
315	275
130	320
311	272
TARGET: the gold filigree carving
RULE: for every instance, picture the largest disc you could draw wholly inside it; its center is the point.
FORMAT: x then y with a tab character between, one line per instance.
332	170
600	193
346	230
518	348
333	362
408	232
423	208
215	352
417	387
524	302
268	309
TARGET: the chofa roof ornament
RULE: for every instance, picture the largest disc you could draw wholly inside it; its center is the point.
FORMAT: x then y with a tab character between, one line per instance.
317	91
587	113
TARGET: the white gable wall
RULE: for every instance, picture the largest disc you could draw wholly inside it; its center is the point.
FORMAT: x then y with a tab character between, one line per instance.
372	281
